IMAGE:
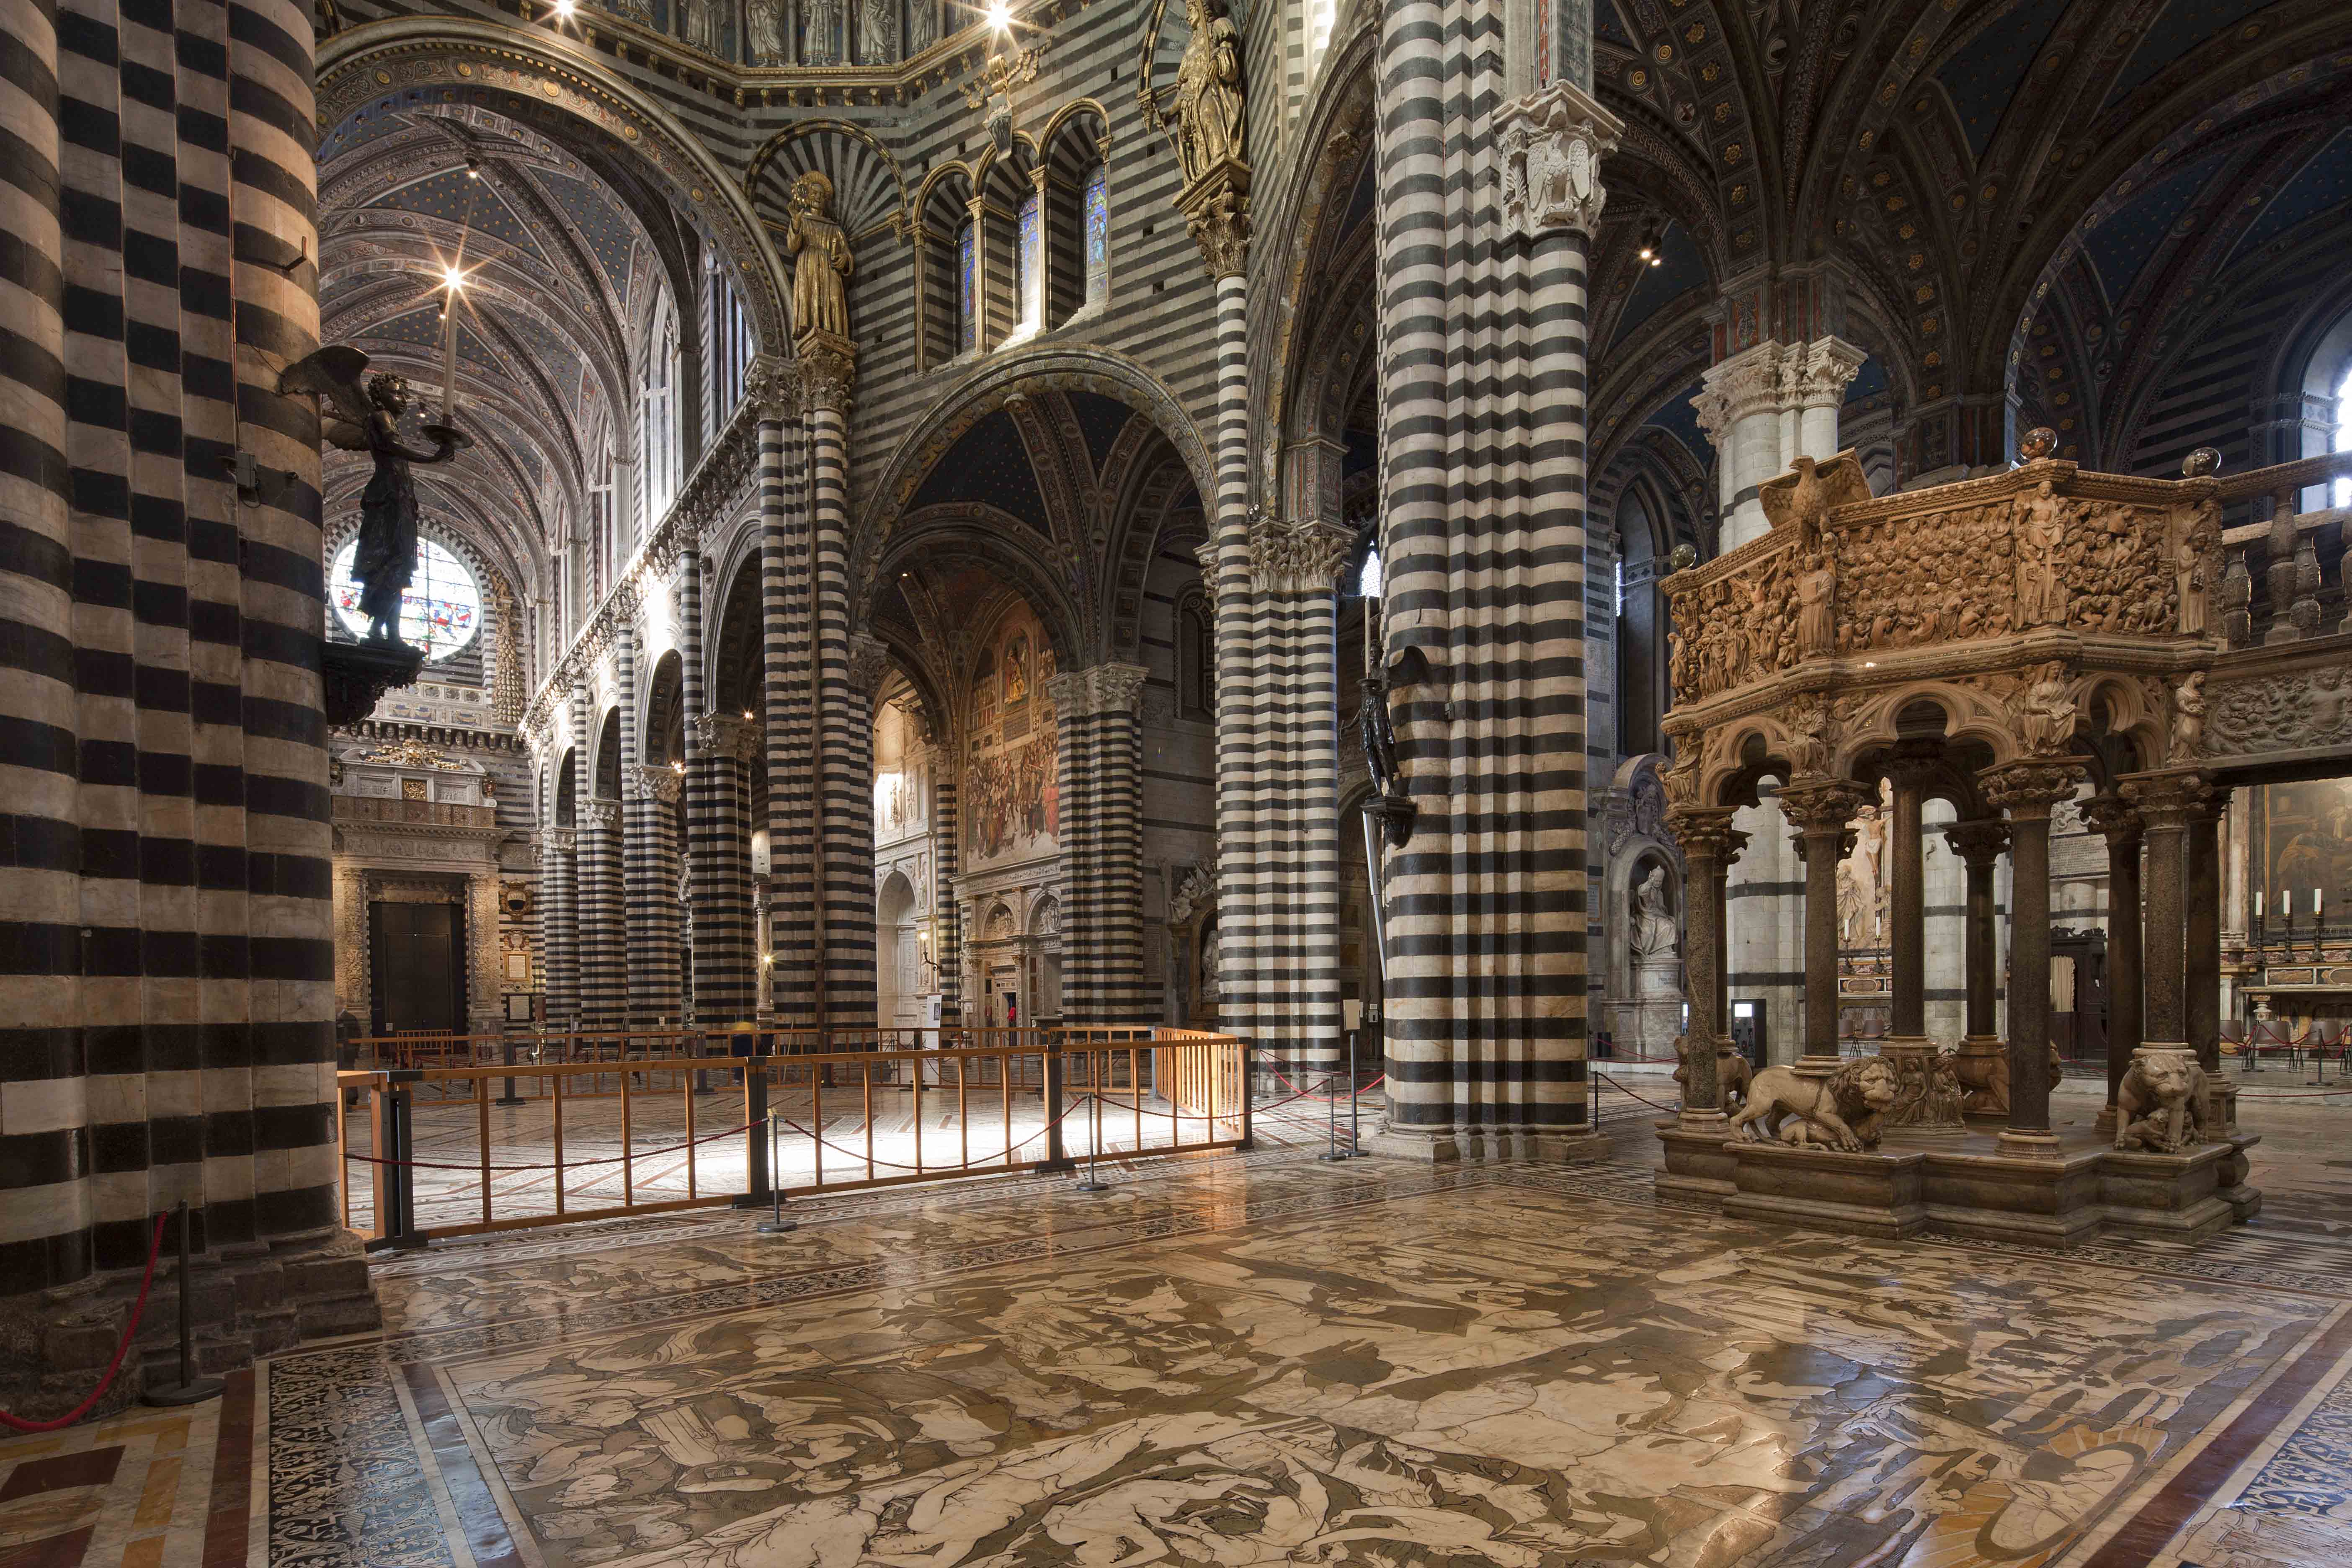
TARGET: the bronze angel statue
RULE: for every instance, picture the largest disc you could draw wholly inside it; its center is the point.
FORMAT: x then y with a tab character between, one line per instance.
366	418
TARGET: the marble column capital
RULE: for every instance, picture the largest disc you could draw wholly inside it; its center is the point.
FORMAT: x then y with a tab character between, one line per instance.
2168	802
556	841
2115	819
1302	557
652	781
1818	807
600	815
1979	841
1099	688
1773	378
826	370
1216	214
2027	790
1705	834
724	735
773	383
1552	142
869	661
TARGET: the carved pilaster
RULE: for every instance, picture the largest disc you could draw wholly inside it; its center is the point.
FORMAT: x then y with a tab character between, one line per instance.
1553	141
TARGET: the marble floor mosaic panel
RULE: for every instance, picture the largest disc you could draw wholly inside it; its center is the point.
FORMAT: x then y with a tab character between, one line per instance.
1253	1360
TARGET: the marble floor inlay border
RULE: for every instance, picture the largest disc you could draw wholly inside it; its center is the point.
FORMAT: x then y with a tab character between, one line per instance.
335	1409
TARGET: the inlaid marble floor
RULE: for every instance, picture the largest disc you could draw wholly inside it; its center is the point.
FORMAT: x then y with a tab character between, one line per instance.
1247	1360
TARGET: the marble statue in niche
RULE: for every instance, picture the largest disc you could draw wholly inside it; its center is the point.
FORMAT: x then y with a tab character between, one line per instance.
698	24
764	32
1209	92
1654	923
878	32
823	259
821	32
1861	886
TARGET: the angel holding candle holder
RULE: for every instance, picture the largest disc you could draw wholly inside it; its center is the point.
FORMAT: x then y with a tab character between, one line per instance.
366	418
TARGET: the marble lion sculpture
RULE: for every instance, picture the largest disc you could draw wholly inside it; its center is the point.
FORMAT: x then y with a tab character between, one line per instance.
2161	1105
1845	1111
1731	1072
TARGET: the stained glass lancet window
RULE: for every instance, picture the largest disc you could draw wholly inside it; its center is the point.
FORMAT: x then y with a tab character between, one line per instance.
967	290
1029	270
1096	204
440	611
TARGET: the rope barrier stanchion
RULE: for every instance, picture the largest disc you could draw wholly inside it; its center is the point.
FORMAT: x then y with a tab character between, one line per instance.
1330	1154
130	1330
775	1224
190	1389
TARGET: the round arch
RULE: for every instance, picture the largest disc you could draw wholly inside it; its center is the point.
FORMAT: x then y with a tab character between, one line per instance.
1066	368
454	54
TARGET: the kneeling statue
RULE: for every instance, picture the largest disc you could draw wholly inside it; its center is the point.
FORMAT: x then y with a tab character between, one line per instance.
1846	1111
2160	1104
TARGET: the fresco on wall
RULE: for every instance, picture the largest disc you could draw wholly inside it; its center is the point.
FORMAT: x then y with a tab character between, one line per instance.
1011	794
2302	841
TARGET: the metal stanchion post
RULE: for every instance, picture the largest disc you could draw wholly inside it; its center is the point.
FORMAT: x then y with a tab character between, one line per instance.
1095	1184
1355	1082
775	1224
190	1389
506	1058
1330	1123
757	1177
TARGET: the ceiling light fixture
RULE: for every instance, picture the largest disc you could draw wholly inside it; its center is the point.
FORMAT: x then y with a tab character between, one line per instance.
453	279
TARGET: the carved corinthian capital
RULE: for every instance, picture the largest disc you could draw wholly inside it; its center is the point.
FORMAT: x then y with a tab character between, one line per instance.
1216	214
775	384
1295	557
1099	688
723	735
1552	141
655	781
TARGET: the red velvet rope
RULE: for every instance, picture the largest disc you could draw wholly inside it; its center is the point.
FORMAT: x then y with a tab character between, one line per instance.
138	1310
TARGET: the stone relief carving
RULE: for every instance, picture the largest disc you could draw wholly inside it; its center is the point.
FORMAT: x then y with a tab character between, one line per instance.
2287	712
1733	1076
2187	741
2043	712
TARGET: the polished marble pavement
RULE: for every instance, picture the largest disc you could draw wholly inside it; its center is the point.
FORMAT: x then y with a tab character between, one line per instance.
1264	1358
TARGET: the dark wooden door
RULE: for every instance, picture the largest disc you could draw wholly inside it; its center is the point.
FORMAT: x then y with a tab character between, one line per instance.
420	970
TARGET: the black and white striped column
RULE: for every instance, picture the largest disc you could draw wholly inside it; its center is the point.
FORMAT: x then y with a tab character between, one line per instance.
1099	712
726	985
604	974
848	669
947	925
651	792
1481	302
788	696
559	924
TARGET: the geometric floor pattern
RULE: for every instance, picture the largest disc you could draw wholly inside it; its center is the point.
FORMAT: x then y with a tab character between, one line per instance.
1264	1358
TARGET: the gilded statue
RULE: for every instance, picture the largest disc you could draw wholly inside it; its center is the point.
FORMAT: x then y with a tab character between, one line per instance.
1209	92
821	273
367	419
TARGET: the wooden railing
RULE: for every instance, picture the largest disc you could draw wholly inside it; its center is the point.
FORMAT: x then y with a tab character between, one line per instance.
448	1138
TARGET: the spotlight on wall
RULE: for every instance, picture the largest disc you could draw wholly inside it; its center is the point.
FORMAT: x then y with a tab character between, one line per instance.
1000	16
563	10
1653	244
453	279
